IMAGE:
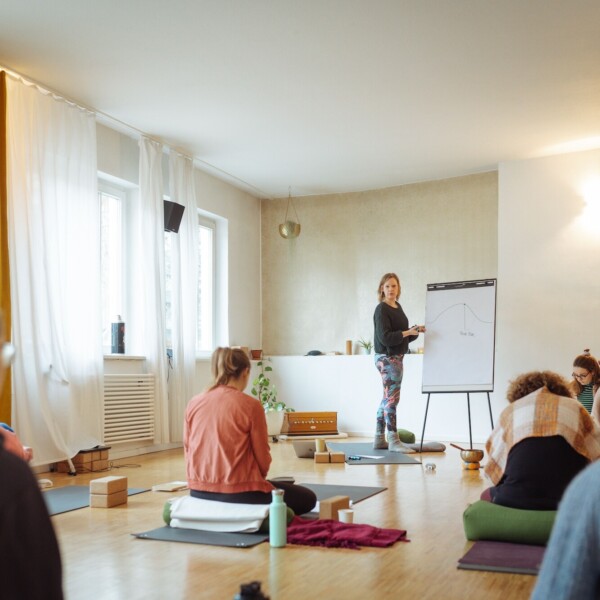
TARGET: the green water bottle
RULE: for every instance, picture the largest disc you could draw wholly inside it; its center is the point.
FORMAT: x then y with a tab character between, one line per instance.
277	520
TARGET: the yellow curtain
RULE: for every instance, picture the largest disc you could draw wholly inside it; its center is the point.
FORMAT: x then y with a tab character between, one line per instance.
5	397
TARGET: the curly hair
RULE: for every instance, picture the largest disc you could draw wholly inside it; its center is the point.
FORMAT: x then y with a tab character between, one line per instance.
228	364
534	380
590	363
380	294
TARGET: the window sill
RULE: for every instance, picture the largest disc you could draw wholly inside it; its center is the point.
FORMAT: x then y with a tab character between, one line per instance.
123	357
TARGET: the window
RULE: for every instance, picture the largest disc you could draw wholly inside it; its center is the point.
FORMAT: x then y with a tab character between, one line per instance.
205	332
205	323
113	267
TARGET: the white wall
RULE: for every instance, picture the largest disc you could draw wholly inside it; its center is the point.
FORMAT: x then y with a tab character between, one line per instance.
548	265
351	386
320	289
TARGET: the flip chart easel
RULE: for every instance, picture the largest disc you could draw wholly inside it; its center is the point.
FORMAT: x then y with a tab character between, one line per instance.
460	318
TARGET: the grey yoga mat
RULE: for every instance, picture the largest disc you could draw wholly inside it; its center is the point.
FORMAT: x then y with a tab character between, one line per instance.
210	538
72	497
365	449
245	540
356	493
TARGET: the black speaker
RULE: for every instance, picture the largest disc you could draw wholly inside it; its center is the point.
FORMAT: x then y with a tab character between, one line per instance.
173	215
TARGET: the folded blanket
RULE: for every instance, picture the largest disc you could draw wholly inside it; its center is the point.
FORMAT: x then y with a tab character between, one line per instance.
333	534
541	414
209	515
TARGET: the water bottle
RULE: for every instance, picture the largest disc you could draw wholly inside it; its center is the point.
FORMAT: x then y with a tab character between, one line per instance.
278	520
118	336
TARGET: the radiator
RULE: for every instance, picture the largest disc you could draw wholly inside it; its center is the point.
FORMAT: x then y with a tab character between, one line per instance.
128	408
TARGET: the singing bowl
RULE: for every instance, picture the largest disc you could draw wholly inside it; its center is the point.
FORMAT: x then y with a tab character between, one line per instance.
471	456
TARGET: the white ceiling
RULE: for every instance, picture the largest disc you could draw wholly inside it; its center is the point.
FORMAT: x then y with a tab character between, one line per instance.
325	96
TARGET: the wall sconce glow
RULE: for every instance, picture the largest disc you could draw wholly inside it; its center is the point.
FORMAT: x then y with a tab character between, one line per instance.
591	195
591	190
590	143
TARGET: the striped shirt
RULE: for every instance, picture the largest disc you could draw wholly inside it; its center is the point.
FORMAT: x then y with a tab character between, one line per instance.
586	397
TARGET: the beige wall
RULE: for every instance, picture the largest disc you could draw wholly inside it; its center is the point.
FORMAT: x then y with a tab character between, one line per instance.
320	289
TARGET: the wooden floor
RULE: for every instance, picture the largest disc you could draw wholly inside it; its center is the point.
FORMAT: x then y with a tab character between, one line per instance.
101	560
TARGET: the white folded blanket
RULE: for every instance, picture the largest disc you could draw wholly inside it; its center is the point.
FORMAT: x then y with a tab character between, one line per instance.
207	515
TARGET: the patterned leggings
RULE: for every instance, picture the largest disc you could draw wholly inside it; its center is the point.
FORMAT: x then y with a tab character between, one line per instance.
391	370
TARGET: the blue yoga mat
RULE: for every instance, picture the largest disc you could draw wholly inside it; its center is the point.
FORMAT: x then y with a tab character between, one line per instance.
72	497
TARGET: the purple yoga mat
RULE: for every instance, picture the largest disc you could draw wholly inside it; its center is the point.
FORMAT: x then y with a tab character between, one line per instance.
503	557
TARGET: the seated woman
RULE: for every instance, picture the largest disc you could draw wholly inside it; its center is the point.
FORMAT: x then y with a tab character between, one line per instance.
586	383
543	440
226	442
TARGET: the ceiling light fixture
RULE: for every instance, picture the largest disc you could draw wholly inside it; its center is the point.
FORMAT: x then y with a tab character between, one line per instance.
289	229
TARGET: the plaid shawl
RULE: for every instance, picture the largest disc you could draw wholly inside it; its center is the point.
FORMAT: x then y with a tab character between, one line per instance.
541	414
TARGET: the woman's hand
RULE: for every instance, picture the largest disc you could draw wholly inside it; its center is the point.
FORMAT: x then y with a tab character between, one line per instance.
415	330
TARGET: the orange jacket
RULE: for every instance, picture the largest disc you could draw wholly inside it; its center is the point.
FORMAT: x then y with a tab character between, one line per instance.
226	443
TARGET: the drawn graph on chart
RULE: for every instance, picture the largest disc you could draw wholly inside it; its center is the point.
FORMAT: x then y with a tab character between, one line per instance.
460	338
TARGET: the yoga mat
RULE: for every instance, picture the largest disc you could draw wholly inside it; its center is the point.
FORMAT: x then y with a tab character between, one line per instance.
503	557
209	538
72	497
356	493
357	449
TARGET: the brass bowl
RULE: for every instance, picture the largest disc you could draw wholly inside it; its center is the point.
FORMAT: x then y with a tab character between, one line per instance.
471	456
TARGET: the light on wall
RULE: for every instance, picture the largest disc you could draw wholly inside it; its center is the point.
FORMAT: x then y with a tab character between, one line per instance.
289	229
590	191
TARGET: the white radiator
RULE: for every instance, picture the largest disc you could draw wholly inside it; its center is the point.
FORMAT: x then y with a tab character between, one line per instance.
128	408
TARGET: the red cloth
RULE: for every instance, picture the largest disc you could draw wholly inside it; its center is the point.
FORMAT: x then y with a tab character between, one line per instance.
333	534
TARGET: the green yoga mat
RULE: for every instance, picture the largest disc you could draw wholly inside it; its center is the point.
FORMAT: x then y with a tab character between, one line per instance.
209	538
72	497
366	449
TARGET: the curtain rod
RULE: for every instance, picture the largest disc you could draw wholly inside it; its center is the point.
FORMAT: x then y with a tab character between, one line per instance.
131	131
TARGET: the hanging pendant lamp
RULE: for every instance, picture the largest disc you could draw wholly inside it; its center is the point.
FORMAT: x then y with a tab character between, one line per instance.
289	229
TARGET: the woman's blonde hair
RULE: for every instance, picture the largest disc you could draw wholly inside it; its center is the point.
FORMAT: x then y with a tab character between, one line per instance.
534	380
227	364
380	294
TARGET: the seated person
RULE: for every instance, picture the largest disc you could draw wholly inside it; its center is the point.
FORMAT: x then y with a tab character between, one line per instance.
13	444
586	383
543	440
31	564
571	565
226	442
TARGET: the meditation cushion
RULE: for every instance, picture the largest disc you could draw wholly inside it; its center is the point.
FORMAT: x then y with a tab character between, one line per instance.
428	446
408	437
488	521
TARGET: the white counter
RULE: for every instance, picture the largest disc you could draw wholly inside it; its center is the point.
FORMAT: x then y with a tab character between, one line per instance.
351	385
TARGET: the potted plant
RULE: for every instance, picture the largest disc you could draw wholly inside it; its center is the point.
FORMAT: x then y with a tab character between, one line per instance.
266	392
366	344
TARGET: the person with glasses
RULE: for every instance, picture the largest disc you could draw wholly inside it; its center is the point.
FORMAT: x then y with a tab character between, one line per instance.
586	382
543	439
31	565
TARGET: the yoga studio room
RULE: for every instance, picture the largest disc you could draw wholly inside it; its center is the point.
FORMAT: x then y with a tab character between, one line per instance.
298	299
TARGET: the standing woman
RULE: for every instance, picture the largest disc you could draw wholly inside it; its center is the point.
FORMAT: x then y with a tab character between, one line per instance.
586	382
392	336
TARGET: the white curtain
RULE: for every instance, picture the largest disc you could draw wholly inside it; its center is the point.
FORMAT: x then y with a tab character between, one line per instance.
146	325
54	249
184	297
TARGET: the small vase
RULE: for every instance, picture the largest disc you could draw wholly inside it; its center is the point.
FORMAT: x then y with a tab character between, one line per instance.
274	423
